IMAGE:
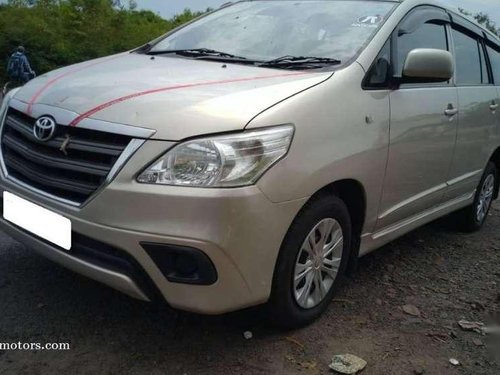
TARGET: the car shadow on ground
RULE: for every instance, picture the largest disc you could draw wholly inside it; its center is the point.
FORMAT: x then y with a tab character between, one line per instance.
58	289
41	302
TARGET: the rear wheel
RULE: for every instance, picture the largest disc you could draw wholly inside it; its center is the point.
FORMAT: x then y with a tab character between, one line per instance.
312	260
474	216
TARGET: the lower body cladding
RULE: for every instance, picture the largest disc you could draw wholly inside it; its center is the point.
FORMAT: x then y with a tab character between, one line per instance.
208	251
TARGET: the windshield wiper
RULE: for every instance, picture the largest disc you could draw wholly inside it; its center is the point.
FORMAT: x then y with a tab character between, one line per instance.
285	62
198	53
302	62
144	48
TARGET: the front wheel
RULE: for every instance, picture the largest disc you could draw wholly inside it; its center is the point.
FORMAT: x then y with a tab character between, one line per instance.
312	259
474	217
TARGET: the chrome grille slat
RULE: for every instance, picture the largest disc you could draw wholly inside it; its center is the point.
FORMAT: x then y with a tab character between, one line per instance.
59	183
56	162
74	173
76	144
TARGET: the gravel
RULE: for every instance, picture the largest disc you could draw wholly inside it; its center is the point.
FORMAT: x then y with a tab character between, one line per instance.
448	275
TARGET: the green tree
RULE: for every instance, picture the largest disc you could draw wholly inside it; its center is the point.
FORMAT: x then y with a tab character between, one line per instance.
57	33
483	19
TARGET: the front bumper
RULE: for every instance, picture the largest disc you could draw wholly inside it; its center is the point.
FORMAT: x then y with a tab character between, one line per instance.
114	277
240	230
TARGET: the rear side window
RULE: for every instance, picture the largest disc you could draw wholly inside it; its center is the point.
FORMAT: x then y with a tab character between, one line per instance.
469	60
494	55
428	35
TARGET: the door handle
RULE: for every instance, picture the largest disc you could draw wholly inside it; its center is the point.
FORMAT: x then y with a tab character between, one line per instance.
451	110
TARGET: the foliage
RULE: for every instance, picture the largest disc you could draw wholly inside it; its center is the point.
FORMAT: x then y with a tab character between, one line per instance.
482	19
62	32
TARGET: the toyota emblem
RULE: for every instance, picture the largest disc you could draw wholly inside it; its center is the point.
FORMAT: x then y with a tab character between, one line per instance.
44	128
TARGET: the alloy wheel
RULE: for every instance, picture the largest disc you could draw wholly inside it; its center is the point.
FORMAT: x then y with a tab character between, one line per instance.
485	198
318	263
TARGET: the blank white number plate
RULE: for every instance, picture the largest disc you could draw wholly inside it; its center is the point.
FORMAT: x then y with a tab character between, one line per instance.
37	220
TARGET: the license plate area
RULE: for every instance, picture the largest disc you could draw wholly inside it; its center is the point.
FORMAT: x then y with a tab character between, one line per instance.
44	223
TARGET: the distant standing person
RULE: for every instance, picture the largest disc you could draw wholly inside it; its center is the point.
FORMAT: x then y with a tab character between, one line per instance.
19	68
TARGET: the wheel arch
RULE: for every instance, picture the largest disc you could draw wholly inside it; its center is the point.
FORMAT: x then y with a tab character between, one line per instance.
353	194
495	159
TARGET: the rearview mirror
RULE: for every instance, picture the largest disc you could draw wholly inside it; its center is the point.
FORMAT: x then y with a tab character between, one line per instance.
428	65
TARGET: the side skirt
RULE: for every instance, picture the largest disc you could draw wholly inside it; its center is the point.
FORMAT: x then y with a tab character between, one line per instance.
373	241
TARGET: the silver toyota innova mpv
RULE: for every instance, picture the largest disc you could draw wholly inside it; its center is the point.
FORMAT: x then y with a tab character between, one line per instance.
252	155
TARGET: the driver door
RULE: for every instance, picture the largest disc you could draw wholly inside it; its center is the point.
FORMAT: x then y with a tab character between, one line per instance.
424	120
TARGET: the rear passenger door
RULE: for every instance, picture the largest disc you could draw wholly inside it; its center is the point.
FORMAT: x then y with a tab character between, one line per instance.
478	110
493	51
423	125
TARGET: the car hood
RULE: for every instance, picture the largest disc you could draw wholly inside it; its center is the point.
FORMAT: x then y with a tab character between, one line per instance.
176	97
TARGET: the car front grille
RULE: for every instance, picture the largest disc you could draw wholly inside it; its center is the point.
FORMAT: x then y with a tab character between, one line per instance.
72	165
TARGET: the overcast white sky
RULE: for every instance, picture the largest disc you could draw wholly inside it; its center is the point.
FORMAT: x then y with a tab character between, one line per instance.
167	8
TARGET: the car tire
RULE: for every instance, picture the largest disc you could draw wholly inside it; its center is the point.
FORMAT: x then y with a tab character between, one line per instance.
472	218
292	305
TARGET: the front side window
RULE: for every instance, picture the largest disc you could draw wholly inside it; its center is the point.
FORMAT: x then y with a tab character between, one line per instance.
428	35
494	55
468	62
266	30
380	71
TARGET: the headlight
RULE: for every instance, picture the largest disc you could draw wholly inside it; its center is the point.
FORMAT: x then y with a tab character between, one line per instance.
221	161
5	103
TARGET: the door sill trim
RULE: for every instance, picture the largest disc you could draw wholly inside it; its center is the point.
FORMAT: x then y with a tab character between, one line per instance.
372	241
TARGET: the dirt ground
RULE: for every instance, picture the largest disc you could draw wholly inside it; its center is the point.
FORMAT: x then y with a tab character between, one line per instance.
447	275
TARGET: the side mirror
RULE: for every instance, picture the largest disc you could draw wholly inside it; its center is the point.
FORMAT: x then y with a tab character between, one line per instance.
428	65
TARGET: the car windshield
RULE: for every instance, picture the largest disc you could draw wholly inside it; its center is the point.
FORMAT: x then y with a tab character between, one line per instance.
267	30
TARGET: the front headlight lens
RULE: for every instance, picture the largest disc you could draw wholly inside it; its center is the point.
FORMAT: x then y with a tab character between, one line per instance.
223	161
5	102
